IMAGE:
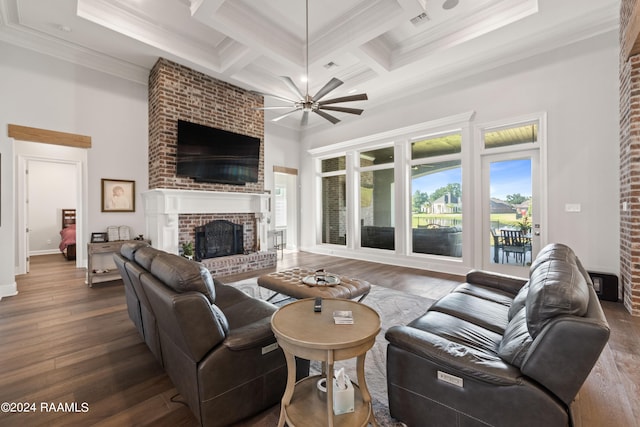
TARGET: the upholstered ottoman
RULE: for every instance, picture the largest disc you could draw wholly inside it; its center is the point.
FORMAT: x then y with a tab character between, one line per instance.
289	282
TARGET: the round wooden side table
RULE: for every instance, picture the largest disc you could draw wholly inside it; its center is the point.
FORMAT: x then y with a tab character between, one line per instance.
314	336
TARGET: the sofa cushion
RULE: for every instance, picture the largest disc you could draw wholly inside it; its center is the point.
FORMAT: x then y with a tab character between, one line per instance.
519	301
556	288
516	339
556	251
129	249
144	256
478	311
183	275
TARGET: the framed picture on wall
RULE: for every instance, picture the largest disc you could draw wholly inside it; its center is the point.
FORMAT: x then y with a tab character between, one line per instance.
118	195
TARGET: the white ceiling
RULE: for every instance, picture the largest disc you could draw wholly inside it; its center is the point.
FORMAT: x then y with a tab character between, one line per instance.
373	43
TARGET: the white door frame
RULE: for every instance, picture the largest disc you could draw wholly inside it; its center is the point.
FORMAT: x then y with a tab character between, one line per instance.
539	187
292	188
22	213
537	225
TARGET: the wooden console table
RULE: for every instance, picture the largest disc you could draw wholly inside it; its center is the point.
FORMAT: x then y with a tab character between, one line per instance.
103	249
302	332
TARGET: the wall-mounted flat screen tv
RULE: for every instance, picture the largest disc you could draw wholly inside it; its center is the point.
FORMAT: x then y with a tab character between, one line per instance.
208	154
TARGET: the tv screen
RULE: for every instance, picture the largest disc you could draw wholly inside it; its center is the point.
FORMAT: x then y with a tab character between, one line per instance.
208	154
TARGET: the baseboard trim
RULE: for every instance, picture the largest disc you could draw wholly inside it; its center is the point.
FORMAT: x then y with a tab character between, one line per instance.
8	290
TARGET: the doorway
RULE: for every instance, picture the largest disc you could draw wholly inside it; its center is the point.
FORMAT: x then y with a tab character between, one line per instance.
511	212
71	159
285	210
512	208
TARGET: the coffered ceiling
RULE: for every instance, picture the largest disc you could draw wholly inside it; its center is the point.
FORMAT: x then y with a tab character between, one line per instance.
386	48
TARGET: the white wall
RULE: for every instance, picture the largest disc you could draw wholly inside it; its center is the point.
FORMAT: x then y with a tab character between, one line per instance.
282	148
43	92
578	88
52	187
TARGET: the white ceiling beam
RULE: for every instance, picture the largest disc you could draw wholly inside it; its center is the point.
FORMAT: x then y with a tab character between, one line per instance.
413	7
357	28
205	7
376	55
236	21
452	33
235	56
137	28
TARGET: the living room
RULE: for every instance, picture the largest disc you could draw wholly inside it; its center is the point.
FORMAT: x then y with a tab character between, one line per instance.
575	83
40	88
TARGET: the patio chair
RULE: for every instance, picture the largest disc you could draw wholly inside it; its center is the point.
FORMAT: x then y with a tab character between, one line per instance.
497	245
513	242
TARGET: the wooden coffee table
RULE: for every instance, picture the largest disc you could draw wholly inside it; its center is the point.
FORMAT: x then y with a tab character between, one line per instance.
289	282
314	336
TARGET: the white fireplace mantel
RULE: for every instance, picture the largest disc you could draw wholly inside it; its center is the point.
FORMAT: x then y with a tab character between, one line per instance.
163	205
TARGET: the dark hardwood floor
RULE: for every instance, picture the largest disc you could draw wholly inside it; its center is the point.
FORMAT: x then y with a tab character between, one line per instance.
62	342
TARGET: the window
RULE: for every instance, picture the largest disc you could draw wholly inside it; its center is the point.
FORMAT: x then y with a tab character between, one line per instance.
397	194
377	198
521	134
436	195
334	201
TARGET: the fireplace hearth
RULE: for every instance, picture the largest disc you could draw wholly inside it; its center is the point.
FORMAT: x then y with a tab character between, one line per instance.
219	238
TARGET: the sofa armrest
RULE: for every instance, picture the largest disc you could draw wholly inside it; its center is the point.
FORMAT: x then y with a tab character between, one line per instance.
453	358
253	335
503	282
570	345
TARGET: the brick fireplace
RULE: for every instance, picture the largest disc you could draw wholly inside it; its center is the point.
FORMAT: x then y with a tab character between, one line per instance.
629	154
175	205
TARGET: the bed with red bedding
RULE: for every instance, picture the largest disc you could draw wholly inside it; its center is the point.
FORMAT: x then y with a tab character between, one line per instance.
68	234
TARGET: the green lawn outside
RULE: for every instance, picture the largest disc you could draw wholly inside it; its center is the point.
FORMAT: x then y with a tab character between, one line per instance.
497	220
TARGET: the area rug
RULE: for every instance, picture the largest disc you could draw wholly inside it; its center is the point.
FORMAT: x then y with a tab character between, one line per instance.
394	308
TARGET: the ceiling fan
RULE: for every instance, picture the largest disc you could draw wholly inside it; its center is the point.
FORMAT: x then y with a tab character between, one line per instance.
307	103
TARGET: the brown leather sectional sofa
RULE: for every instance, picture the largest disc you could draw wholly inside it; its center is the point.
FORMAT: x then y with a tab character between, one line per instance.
214	341
500	350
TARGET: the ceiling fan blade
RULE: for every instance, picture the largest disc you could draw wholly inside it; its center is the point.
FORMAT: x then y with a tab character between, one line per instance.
327	116
305	118
331	85
285	115
349	98
357	111
292	86
274	96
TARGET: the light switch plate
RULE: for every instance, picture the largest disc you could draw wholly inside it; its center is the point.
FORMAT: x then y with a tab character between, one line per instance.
572	207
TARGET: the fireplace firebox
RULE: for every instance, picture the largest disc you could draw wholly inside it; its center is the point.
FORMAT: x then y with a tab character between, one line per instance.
219	238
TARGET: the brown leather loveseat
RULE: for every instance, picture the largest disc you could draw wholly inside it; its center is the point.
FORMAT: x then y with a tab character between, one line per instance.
214	341
500	350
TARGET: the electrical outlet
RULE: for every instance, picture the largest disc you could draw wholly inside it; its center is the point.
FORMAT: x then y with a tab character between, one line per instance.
48	241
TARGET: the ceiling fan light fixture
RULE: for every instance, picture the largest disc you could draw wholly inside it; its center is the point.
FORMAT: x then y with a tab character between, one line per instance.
308	103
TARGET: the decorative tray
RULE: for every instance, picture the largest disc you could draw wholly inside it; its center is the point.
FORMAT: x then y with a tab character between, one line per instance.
329	280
